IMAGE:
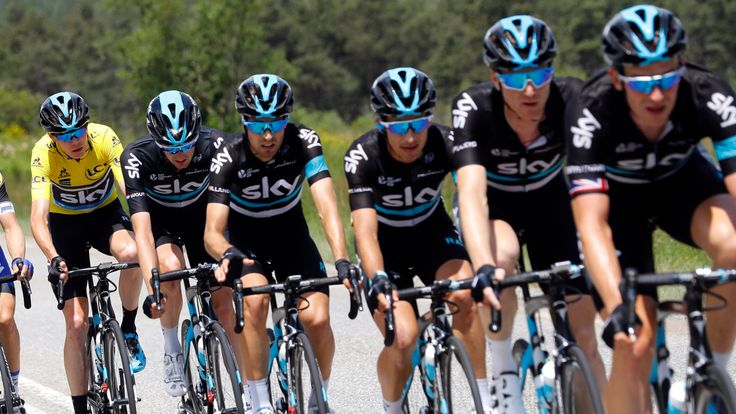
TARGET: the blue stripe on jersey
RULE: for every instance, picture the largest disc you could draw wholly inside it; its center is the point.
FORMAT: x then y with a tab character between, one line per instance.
315	166
409	212
725	148
261	205
180	197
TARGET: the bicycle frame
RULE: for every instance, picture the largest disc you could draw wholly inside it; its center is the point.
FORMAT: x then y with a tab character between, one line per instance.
285	327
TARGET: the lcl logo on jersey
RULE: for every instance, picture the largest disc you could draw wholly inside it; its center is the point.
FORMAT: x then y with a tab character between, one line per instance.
523	166
722	105
583	132
353	158
460	112
408	199
264	190
177	188
90	173
220	160
132	166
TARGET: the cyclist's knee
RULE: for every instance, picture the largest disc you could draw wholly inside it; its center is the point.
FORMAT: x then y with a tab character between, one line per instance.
7	322
169	262
587	341
126	251
77	327
466	307
256	309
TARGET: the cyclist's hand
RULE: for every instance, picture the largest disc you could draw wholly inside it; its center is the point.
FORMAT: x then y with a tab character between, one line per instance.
615	328
151	310
58	269
24	266
377	291
343	267
232	254
482	289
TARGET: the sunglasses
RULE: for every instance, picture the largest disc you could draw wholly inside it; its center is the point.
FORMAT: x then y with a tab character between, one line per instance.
402	127
517	81
182	148
646	84
261	127
70	136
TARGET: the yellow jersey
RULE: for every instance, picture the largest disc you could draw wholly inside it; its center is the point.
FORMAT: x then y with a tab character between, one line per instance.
77	186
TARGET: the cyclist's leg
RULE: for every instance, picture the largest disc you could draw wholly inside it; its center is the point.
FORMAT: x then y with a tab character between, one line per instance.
255	312
9	336
170	257
76	316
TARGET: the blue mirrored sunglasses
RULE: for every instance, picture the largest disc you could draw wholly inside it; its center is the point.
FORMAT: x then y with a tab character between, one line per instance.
646	84
180	148
402	127
518	80
261	127
70	136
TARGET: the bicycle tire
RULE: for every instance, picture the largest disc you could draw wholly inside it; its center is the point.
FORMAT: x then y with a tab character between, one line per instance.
301	357
121	383
275	391
192	379
575	378
7	396
96	398
228	389
716	393
454	387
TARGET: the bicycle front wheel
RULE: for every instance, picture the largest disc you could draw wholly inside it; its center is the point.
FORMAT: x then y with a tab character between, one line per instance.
222	369
7	396
195	396
715	394
305	378
120	387
576	389
458	390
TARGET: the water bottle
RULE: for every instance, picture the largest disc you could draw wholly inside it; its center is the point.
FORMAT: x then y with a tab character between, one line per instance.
428	364
548	379
676	398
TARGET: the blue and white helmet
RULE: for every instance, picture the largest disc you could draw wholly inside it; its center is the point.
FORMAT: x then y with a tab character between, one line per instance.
518	42
264	96
63	112
643	34
173	119
402	92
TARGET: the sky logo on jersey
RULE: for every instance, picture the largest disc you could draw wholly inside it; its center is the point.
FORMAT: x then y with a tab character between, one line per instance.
524	167
408	199
132	166
460	112
582	133
353	158
310	136
85	197
588	185
220	160
264	190
722	105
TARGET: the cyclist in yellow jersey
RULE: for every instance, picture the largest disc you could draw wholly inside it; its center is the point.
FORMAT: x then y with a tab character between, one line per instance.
16	244
75	204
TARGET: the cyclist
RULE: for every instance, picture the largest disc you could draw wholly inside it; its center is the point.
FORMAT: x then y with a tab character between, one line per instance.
395	174
166	176
16	244
634	162
509	151
255	185
74	203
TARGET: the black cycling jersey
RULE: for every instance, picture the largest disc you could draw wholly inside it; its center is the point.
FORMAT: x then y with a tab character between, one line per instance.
153	183
402	194
605	144
254	188
483	136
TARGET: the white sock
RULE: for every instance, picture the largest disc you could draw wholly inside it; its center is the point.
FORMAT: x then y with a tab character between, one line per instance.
721	358
501	357
393	407
14	377
171	340
247	399
485	393
259	394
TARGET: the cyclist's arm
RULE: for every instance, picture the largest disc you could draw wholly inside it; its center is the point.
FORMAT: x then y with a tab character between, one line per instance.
365	225
471	185
214	229
591	218
325	200
13	235
40	228
147	258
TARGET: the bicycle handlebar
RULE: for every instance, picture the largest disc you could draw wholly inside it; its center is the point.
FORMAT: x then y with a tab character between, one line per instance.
25	287
390	326
101	270
439	287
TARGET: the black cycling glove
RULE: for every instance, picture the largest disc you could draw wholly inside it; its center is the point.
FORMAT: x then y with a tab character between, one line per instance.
343	268
483	279
54	271
378	285
616	323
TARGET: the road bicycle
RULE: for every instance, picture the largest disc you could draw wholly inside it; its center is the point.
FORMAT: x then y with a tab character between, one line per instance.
111	383
292	365
211	373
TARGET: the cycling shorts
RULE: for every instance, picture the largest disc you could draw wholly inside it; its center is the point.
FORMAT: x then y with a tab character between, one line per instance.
184	228
73	234
281	244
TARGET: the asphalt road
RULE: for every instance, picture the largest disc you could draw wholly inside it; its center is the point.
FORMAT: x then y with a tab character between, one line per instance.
353	388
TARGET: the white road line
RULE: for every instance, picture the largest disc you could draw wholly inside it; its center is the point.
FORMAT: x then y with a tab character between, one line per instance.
59	401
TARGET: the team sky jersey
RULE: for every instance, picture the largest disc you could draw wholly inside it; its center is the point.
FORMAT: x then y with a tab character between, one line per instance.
77	186
6	206
403	195
254	188
604	143
483	136
151	178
